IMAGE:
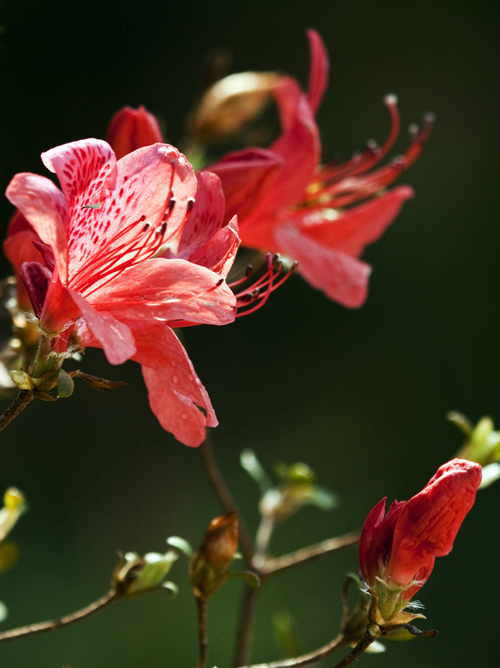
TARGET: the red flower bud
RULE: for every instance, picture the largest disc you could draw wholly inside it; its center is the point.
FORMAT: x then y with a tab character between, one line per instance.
398	550
130	129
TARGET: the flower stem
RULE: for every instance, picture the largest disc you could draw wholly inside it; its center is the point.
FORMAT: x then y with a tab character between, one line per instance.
201	608
249	602
281	564
337	643
362	645
18	405
55	624
223	493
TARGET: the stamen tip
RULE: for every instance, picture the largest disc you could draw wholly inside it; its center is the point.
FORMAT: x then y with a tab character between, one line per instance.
391	100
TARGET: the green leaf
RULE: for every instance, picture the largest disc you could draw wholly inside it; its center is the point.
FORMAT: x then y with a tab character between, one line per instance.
65	385
285	632
323	498
491	473
253	467
461	421
181	544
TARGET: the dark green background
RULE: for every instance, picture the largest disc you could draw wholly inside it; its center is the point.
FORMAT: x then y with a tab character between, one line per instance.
359	395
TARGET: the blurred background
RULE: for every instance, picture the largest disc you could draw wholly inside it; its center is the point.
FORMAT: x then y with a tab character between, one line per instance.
358	395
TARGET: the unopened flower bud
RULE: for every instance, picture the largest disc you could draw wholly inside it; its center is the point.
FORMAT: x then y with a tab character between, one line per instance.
397	549
14	506
209	565
130	129
231	103
135	575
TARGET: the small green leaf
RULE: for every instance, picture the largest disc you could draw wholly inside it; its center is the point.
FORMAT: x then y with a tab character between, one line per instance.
171	588
249	461
461	421
285	632
491	473
65	385
181	544
323	498
251	579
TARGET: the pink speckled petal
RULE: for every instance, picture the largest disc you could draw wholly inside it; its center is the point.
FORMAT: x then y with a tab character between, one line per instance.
168	290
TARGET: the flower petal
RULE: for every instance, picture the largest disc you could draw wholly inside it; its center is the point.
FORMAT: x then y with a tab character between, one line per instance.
43	205
219	253
246	177
343	278
207	216
318	75
168	290
359	226
176	394
114	336
370	526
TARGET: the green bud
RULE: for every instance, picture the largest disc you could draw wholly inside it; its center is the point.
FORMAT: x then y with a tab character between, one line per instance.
22	380
136	575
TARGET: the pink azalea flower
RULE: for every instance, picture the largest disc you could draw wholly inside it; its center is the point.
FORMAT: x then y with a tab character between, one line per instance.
99	269
287	202
397	550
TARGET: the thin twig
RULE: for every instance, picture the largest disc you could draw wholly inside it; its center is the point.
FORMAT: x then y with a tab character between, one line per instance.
244	633
18	405
55	624
222	492
337	643
362	645
201	608
248	605
318	551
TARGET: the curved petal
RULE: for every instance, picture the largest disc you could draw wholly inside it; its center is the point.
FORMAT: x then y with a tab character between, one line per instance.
370	526
168	290
318	75
176	395
219	252
359	226
43	205
246	177
114	336
207	216
300	149
343	278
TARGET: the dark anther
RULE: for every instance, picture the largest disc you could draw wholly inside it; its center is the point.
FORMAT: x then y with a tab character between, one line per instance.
249	271
171	205
163	227
276	258
190	203
142	218
219	282
294	266
146	227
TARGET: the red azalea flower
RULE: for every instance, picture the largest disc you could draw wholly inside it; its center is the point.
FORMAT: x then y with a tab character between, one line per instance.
397	550
287	202
98	273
